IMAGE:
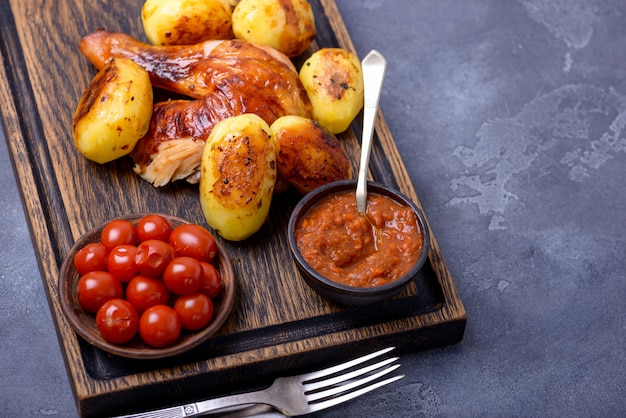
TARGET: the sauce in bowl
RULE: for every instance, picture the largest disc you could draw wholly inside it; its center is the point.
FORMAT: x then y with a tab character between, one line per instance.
340	243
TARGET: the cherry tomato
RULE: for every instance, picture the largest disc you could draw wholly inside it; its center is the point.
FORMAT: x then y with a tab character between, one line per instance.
183	275
153	227
97	287
195	310
118	232
121	262
144	292
117	321
92	257
159	326
211	280
193	241
153	256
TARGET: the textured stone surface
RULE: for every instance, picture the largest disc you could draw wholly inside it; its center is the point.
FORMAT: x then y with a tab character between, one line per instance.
511	118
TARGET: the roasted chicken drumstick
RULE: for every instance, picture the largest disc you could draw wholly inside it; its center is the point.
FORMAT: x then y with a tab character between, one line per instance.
222	78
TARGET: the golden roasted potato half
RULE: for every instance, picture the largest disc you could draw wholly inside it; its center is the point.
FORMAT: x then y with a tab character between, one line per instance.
286	25
308	155
333	79
237	176
186	22
114	111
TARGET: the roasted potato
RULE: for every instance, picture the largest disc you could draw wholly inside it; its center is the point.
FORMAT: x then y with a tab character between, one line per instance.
308	155
286	25
237	176
333	79
114	111
186	22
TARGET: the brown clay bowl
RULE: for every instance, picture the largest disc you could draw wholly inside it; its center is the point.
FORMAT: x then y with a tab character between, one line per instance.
84	323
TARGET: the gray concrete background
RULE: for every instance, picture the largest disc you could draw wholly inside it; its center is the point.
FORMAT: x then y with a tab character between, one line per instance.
511	119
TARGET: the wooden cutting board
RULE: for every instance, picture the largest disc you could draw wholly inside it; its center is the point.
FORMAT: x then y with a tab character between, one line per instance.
278	325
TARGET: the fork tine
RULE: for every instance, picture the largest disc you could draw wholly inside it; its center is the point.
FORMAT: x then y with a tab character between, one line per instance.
334	390
347	376
318	406
343	366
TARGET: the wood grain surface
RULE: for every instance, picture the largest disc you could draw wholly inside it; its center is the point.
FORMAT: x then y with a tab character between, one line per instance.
278	325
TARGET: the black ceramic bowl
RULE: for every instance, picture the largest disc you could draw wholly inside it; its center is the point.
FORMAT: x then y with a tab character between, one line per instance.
340	293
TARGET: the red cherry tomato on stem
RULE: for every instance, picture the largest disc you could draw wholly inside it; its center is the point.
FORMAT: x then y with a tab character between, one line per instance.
153	227
121	262
211	280
117	321
144	292
194	241
183	275
97	287
159	326
118	232
92	257
153	256
195	310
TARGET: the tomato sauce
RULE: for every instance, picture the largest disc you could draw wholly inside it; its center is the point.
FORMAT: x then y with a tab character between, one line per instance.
341	244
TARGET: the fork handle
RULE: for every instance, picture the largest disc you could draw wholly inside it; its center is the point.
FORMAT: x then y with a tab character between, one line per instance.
202	407
248	398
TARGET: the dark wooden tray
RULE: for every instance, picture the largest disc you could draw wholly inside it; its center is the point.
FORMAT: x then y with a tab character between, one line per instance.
278	326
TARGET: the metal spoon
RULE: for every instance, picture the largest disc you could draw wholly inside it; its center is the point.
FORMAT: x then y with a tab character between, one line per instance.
374	66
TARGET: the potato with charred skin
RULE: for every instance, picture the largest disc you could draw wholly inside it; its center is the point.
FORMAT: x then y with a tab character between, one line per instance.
286	25
237	176
186	22
333	79
114	111
308	155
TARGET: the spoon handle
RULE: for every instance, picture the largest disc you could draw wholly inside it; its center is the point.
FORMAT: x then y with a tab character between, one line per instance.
374	66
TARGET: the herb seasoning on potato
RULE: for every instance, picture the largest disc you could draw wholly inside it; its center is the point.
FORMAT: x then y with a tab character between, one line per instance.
237	176
333	79
114	111
286	25
186	22
308	155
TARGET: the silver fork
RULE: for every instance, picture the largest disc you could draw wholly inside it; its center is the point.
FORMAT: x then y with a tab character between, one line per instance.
302	394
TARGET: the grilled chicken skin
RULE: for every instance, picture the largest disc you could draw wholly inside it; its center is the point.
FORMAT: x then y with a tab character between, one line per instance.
222	78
